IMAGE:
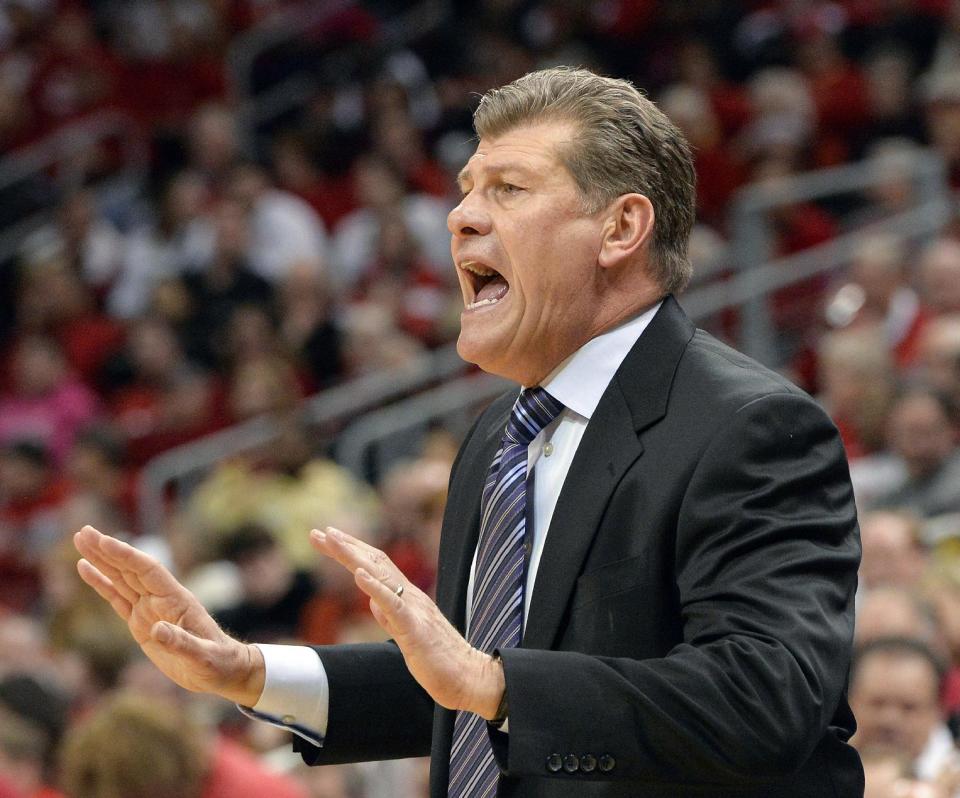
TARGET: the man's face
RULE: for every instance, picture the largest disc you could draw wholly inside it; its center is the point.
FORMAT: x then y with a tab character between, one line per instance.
920	433
894	698
526	255
891	555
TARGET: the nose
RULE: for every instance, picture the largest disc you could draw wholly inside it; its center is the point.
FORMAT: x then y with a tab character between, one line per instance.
469	218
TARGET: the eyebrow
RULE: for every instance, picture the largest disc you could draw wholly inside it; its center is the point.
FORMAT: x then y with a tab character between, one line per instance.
498	169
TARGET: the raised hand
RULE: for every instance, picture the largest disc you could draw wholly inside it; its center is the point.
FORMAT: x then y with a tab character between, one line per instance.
455	674
171	626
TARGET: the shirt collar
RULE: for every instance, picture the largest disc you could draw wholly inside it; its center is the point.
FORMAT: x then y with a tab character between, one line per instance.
579	382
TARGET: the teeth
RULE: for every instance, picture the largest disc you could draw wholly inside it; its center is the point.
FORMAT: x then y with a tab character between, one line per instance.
481	302
476	268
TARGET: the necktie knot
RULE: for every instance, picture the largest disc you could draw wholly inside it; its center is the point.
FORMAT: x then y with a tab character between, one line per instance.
533	410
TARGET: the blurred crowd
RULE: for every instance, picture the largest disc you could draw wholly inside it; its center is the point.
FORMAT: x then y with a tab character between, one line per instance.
267	261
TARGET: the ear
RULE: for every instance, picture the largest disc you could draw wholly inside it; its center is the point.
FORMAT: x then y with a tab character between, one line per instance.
627	229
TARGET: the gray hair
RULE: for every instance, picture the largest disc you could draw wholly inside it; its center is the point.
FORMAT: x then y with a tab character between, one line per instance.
624	145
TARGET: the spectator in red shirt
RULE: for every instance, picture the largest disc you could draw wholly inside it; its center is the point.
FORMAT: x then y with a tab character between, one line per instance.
400	279
31	501
719	174
173	58
296	171
163	398
795	227
698	67
75	74
889	302
839	92
54	300
96	469
398	139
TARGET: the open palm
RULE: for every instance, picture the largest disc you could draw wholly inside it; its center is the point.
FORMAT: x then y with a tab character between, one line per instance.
167	621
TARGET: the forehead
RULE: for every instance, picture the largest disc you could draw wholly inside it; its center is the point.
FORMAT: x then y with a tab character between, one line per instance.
532	148
897	675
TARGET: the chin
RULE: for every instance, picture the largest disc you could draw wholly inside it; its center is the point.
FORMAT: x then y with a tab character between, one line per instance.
482	353
472	350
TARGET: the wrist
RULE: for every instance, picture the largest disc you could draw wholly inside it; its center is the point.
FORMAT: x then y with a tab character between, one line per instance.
254	675
489	687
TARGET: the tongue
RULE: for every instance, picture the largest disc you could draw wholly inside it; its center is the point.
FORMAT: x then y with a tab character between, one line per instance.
494	289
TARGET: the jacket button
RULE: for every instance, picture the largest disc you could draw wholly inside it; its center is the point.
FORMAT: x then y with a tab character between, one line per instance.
571	763
588	763
607	763
554	763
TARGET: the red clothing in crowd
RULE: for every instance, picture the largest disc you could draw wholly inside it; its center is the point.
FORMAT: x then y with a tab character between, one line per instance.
167	92
236	773
843	110
719	175
798	228
89	341
331	197
27	527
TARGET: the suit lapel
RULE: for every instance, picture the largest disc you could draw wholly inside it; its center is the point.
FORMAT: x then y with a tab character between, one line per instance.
635	399
461	523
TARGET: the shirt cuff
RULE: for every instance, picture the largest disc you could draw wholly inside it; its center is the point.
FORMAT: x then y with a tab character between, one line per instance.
296	692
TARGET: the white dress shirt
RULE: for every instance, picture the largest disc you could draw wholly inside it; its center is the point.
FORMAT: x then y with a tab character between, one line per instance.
296	691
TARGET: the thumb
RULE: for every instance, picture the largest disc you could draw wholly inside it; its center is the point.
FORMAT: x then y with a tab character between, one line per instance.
176	640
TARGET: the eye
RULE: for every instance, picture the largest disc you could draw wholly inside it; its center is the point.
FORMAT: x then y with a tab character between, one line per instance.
509	188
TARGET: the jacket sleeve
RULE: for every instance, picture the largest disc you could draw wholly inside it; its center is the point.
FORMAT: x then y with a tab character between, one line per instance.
766	555
377	709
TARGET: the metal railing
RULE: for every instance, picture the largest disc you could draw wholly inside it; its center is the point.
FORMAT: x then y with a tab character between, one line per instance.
180	465
285	28
752	236
55	162
364	444
749	285
446	402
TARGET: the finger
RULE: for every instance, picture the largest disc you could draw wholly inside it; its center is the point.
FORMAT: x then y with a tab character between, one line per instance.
385	596
92	555
105	589
353	554
381	618
179	641
91	543
141	570
116	578
351	540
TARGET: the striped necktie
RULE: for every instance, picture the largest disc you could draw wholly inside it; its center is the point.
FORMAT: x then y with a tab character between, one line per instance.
496	619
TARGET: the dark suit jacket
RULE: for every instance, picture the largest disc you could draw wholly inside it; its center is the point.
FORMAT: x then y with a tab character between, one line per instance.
690	628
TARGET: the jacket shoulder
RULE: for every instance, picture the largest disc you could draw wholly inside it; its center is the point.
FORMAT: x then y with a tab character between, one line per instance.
713	373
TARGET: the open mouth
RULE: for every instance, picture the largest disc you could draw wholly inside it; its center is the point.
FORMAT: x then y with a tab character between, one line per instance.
489	286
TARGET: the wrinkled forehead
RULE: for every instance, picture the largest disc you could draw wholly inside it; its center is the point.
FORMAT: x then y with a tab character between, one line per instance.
536	147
